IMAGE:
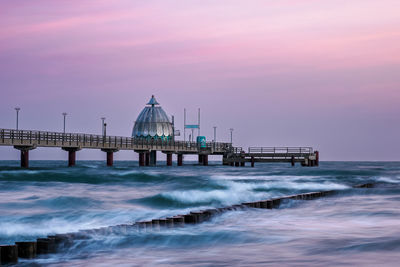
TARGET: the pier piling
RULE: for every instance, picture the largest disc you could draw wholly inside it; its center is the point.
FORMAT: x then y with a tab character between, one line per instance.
180	159
110	158
141	159
169	159
147	158
153	158
71	155
24	150
25	158
71	158
205	160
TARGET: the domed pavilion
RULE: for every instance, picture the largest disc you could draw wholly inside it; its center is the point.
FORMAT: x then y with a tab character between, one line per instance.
153	123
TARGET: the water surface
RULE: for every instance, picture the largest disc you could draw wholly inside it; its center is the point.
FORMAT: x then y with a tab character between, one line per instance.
355	227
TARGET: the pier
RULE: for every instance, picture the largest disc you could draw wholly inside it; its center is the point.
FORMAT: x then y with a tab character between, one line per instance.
27	140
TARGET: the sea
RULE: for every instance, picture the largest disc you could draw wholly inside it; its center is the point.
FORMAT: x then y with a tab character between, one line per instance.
354	227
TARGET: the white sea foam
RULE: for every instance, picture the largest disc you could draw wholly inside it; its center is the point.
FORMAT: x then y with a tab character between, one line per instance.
391	180
237	192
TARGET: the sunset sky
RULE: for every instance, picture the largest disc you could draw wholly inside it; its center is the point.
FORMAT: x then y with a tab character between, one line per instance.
281	73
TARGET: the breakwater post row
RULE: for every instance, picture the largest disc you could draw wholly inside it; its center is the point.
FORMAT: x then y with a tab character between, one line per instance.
56	243
26	140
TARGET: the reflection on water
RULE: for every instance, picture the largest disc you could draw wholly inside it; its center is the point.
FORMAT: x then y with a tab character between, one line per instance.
355	227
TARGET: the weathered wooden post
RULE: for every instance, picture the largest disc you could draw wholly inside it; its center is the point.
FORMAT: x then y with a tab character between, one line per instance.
8	254
26	250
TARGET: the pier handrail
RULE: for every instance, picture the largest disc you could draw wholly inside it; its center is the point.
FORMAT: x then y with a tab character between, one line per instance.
29	137
280	150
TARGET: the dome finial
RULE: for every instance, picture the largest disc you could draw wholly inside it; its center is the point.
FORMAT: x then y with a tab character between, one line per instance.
153	101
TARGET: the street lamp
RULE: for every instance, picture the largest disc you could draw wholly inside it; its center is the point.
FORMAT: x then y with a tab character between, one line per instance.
102	124
17	109
65	115
231	129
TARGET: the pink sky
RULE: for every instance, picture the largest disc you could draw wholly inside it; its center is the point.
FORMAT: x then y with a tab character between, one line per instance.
281	73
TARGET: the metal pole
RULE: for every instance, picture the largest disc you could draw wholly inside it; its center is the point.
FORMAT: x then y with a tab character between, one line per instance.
231	129
105	130
173	128
215	133
64	114
199	122
17	109
184	124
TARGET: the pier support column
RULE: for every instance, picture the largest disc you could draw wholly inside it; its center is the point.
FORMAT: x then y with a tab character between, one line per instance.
232	163
71	158
110	156
252	162
25	158
147	158
153	158
71	155
292	160
242	163
169	159
180	159
316	158
201	158
225	160
205	160
24	155
236	163
141	159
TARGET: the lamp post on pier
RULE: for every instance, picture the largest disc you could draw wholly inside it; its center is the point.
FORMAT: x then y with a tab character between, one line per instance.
102	125
17	109
65	115
231	129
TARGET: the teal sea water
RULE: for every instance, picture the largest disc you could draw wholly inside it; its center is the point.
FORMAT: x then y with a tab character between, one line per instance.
356	227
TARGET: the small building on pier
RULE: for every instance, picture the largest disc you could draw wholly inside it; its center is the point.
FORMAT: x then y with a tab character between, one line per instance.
153	123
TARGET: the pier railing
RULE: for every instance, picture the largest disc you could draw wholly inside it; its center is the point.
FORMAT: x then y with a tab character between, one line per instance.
280	150
57	139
